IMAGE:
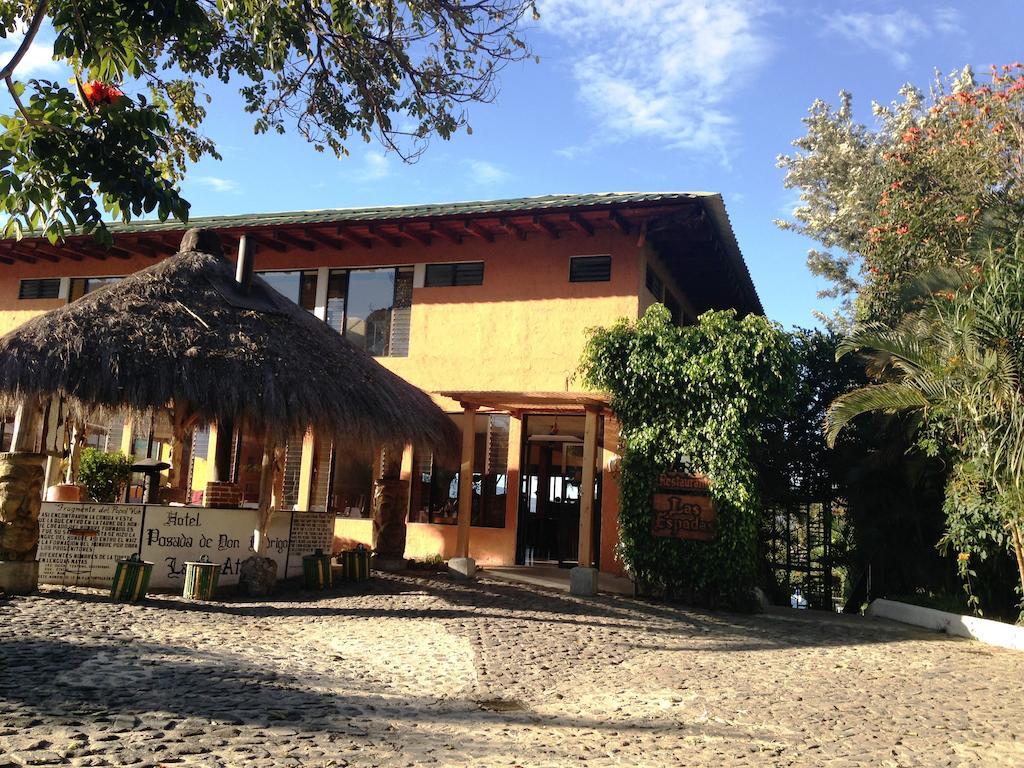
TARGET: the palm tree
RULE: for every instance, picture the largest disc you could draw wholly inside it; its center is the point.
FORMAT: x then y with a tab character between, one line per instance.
957	363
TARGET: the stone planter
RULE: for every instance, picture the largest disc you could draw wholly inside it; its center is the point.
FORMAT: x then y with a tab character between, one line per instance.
21	497
66	492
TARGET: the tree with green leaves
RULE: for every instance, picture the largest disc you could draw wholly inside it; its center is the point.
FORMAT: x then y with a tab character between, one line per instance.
117	137
889	202
694	398
957	364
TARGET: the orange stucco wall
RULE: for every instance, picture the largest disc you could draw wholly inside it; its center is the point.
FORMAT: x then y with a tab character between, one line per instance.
523	329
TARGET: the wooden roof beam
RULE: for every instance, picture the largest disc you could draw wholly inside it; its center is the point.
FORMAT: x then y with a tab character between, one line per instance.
544	225
347	234
262	241
48	253
619	222
479	230
146	249
324	239
423	238
512	228
446	233
21	256
292	240
379	234
578	222
86	248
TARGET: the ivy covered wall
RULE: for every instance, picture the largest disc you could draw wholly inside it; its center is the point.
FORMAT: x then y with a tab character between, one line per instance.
694	398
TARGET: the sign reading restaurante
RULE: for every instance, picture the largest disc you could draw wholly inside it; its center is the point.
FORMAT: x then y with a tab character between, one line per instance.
683	508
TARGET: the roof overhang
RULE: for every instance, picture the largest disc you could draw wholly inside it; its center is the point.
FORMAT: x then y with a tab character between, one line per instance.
690	231
545	402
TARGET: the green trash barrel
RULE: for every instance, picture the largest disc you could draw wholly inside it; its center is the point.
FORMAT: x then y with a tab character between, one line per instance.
355	564
316	570
201	579
131	580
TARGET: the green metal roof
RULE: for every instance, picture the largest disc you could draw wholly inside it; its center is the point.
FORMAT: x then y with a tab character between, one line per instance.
430	210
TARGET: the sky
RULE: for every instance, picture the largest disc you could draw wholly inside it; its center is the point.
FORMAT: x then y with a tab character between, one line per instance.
635	95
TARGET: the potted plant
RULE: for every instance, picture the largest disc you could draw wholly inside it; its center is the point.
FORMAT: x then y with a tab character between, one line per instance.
104	475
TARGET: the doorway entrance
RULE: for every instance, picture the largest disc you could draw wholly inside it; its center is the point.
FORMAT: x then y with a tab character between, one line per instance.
549	492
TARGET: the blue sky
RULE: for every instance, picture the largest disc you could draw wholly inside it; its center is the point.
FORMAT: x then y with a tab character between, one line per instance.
638	95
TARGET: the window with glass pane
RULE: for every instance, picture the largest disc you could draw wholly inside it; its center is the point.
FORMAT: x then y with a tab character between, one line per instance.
371	296
435	492
296	285
337	290
83	285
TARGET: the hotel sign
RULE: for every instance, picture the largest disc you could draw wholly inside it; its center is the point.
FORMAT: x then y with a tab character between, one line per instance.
683	508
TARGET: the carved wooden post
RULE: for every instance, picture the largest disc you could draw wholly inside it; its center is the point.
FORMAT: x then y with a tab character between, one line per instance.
390	506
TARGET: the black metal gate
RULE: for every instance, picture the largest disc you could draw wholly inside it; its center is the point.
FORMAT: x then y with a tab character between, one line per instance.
799	543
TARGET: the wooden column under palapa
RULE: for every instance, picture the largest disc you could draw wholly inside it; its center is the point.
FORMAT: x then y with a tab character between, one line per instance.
586	543
466	480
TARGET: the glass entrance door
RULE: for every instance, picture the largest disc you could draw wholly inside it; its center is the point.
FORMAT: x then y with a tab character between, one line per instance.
549	492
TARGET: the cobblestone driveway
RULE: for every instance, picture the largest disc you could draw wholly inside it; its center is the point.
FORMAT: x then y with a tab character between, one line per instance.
414	671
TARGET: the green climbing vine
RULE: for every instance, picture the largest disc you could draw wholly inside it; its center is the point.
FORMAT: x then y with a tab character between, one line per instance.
693	398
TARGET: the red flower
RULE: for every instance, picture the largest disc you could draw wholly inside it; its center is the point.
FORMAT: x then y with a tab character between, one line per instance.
97	92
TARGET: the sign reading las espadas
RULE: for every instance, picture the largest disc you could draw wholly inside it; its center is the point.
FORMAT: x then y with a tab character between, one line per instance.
683	508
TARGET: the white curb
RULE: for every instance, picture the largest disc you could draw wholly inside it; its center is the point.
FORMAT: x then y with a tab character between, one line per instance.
984	630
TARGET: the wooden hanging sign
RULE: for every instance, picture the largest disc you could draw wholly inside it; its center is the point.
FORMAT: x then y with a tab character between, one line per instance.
683	508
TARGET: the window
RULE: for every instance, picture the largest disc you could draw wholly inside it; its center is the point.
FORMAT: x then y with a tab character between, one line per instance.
590	269
435	488
297	285
459	273
654	283
372	308
47	288
83	285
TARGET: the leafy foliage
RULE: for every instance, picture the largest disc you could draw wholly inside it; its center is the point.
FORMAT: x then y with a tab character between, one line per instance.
696	398
957	363
104	475
889	203
399	71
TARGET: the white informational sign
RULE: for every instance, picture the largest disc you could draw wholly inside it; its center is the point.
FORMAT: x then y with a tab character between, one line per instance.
80	544
310	531
173	536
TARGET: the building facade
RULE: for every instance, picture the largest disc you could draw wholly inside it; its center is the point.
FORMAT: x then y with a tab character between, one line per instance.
485	305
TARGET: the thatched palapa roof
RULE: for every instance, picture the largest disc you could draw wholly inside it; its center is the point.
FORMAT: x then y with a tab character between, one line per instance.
182	332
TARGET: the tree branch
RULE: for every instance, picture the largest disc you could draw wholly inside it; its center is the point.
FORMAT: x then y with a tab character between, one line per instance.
26	42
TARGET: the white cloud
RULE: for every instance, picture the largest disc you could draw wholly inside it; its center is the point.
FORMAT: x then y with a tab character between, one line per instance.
484	173
217	184
38	60
893	33
660	69
374	167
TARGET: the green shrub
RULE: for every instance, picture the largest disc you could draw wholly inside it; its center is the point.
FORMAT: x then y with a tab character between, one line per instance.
104	475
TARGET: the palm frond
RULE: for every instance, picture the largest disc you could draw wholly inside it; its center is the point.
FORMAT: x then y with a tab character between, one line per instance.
886	398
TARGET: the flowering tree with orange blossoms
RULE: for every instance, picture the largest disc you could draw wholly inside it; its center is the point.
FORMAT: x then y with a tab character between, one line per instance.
892	202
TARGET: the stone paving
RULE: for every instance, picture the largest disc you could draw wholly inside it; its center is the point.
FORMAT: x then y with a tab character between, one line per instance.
411	671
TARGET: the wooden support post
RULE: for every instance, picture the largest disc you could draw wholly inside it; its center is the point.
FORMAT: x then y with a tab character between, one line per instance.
466	480
586	544
266	508
78	436
306	467
127	442
515	452
27	424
